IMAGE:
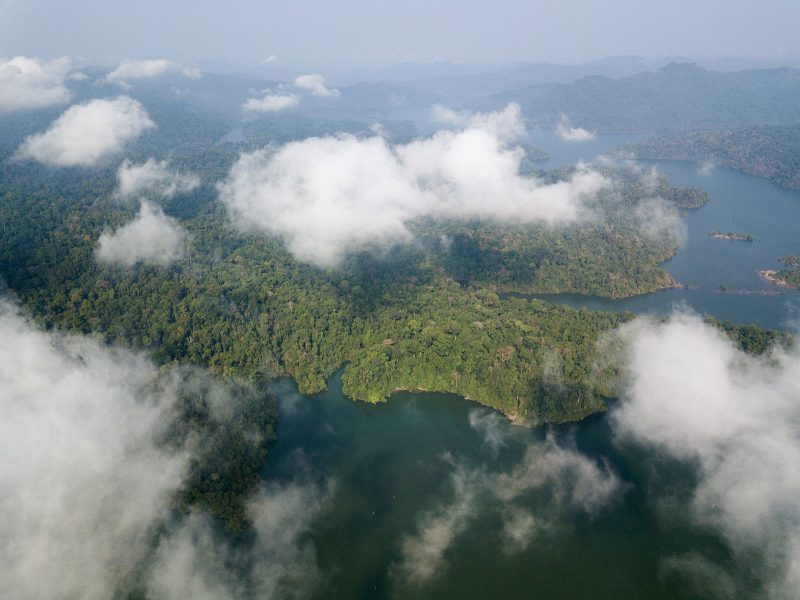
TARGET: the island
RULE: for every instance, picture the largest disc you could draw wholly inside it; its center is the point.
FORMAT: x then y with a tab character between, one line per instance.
789	276
732	236
687	198
790	261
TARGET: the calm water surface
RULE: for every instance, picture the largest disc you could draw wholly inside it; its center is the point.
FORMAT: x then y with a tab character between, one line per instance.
391	463
721	276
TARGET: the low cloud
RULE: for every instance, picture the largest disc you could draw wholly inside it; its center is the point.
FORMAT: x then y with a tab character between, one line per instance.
566	132
329	196
562	479
87	484
507	124
698	576
270	60
87	134
692	394
422	555
82	482
315	84
27	83
707	168
153	178
271	102
489	425
148	69
282	99
655	217
279	560
152	237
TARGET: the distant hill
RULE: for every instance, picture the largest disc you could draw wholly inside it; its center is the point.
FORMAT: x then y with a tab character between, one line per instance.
675	98
455	80
766	151
465	81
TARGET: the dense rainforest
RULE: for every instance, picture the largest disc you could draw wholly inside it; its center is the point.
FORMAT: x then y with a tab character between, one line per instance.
452	312
240	304
771	152
423	316
679	97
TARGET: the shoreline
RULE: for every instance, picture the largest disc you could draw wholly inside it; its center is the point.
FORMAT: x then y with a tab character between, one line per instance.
732	237
771	276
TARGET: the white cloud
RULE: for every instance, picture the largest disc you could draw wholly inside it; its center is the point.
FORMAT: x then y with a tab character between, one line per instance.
86	134
656	217
489	425
698	576
270	60
568	480
692	394
422	555
152	237
577	480
707	168
87	485
572	134
140	69
328	196
31	83
521	527
280	560
154	178
315	84
271	102
506	124
82	481
148	69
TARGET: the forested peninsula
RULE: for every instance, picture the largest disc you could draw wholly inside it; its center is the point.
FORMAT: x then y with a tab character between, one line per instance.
771	152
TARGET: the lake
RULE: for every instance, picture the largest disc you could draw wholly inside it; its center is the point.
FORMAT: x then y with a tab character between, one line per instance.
722	276
394	463
397	466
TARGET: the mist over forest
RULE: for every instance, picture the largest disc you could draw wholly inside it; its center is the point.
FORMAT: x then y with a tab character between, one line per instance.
306	306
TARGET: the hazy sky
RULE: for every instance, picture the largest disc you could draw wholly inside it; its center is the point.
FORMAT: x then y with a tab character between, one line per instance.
370	32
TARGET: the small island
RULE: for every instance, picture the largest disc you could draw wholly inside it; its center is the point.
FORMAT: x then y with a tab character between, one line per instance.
774	277
689	198
732	236
790	261
789	276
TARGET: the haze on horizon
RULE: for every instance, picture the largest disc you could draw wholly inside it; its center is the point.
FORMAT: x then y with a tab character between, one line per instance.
356	33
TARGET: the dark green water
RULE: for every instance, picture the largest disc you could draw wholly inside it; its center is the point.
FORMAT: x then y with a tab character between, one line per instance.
394	463
391	463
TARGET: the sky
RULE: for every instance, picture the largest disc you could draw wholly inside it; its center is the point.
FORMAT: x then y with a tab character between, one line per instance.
369	33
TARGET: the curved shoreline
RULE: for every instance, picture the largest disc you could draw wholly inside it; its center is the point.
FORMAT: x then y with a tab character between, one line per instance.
771	276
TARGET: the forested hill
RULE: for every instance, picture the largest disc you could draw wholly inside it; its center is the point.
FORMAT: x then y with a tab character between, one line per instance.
771	152
429	315
678	97
423	316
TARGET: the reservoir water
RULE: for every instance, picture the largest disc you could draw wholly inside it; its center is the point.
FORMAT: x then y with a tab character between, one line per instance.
395	465
721	276
419	475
